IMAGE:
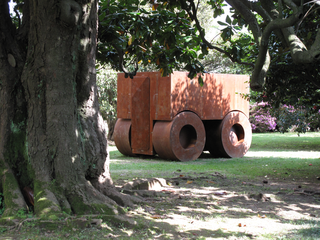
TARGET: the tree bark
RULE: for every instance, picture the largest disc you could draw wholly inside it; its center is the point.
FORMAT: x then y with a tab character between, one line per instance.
66	139
12	116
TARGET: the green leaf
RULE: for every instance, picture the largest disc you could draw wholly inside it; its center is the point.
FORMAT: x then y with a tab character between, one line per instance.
102	16
228	19
222	23
200	81
187	38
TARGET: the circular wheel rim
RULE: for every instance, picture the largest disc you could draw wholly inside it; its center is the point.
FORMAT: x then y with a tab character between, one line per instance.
122	136
181	139
236	134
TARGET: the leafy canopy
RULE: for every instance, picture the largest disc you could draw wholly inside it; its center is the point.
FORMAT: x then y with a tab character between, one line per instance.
133	32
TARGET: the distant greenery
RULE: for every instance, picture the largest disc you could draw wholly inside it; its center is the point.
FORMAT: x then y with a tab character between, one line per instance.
107	89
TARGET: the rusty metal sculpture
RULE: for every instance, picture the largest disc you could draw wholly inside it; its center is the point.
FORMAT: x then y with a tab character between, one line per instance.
177	119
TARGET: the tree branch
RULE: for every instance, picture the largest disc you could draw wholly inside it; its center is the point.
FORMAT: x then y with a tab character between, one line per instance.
264	57
192	11
256	80
121	63
241	6
299	52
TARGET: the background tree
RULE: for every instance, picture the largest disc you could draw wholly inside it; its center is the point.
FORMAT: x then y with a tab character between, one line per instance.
270	23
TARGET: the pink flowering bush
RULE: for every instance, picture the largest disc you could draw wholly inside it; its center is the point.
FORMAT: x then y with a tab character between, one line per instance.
285	118
261	119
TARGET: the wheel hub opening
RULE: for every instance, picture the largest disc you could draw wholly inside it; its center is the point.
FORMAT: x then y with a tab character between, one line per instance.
236	134
188	136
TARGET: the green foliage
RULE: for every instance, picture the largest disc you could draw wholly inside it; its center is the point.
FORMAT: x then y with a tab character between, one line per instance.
217	6
2	207
291	119
133	34
313	119
287	83
107	88
23	214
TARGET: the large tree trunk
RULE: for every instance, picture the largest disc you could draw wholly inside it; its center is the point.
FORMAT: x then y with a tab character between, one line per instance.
67	157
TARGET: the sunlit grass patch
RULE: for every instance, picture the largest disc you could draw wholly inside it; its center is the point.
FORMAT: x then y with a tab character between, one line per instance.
272	155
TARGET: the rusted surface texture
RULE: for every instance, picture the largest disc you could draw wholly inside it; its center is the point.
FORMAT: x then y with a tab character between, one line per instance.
123	97
230	137
153	103
122	136
176	93
140	131
160	97
181	139
214	99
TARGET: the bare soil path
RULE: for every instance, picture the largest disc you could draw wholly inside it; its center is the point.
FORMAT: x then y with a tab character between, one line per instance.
201	206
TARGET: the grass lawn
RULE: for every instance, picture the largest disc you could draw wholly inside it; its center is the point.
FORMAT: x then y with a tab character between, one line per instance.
272	155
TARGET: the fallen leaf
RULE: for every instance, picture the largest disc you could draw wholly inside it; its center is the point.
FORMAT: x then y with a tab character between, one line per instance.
188	182
181	175
157	217
210	182
240	225
263	216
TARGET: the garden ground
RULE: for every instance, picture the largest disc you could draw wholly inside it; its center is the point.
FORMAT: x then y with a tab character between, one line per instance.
268	194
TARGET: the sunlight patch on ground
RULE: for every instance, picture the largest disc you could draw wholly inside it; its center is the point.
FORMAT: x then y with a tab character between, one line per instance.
253	226
286	154
282	154
310	205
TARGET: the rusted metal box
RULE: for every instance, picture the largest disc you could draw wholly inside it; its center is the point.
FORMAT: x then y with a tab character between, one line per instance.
148	105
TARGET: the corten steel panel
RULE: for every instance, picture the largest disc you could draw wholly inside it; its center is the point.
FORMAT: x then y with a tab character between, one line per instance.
179	92
176	93
242	86
185	94
140	130
228	93
232	99
194	97
211	92
220	95
123	97
160	88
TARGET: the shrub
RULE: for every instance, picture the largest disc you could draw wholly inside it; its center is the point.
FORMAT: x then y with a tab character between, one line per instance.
313	119
261	119
107	90
291	119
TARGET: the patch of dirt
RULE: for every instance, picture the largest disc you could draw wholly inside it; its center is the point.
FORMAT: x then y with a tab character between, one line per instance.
211	206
